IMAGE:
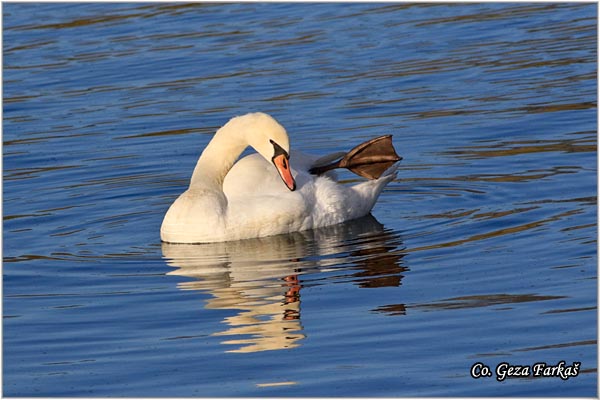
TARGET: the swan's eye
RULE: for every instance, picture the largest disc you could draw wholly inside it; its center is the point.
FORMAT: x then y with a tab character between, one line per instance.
278	150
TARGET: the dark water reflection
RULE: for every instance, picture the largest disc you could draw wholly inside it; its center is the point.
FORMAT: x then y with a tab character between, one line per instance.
262	279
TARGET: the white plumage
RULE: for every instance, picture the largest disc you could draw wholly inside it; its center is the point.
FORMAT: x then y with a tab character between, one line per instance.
227	201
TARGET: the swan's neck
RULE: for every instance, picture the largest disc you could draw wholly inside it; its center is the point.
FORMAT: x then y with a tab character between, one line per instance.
217	159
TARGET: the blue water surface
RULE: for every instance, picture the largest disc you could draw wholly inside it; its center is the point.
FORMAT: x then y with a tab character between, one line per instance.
484	250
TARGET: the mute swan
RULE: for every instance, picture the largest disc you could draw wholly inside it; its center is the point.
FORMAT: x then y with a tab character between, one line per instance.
227	202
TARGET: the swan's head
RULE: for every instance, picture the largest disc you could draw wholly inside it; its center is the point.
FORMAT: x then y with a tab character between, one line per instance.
271	141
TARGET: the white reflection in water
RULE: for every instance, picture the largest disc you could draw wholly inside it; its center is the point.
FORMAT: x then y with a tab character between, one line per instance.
262	278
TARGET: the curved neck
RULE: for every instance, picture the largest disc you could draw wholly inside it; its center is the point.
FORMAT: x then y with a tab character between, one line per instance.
217	159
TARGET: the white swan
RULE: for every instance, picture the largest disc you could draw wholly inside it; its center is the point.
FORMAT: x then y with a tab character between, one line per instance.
230	202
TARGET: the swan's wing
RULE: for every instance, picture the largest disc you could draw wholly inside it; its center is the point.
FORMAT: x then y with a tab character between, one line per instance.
252	175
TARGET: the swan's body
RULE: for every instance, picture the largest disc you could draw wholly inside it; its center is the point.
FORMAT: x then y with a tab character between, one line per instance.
246	200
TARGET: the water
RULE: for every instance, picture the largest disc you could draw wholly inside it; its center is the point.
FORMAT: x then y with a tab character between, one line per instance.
483	250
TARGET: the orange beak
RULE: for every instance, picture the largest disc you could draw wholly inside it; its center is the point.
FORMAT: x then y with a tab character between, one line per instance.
282	163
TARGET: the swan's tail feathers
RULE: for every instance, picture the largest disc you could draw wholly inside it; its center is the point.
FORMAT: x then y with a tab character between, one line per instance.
370	159
368	192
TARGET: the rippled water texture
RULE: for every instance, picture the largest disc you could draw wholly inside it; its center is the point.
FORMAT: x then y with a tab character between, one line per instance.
483	250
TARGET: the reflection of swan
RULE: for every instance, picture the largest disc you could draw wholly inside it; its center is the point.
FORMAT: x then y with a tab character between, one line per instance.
262	277
246	200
